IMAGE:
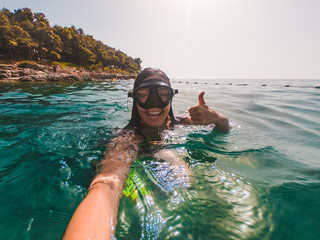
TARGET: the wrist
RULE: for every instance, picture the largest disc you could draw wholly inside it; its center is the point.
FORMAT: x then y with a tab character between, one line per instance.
110	183
222	123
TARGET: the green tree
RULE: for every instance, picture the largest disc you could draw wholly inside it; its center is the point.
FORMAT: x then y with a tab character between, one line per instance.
24	14
6	41
65	35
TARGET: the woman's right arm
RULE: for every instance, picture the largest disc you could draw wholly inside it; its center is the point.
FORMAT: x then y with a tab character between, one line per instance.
203	115
96	216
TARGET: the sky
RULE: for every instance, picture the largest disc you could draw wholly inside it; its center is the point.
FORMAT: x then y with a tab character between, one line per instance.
197	39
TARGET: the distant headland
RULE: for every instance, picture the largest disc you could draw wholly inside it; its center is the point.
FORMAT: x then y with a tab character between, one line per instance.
32	50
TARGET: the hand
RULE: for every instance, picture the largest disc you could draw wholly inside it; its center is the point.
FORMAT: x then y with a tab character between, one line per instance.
203	115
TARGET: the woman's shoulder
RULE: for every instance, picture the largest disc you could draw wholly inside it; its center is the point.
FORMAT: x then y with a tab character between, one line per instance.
182	119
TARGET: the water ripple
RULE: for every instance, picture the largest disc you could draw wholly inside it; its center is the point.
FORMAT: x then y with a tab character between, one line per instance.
255	182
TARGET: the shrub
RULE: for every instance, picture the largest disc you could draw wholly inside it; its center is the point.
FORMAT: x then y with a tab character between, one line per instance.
55	56
31	65
27	64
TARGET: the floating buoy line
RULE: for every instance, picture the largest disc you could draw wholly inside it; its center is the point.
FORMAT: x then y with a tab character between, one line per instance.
243	84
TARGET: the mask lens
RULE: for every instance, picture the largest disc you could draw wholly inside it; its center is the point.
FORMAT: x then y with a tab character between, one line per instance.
165	93
142	94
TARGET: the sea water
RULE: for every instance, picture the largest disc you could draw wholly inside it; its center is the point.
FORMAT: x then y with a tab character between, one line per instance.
259	181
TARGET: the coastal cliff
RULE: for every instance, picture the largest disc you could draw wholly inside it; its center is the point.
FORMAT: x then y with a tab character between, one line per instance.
42	73
29	37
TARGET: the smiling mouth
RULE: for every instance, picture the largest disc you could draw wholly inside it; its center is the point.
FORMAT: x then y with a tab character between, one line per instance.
153	113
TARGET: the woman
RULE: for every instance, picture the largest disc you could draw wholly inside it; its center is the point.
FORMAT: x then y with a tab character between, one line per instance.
96	216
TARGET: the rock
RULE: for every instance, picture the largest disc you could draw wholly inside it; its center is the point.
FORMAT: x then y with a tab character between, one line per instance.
26	79
14	75
5	75
28	71
32	66
8	66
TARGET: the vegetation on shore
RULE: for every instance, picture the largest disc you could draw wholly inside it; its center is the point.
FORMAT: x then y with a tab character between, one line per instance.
25	35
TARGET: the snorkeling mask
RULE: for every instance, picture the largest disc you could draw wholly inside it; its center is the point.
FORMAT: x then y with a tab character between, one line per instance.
153	93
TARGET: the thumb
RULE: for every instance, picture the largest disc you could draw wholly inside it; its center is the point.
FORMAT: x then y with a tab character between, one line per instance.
200	98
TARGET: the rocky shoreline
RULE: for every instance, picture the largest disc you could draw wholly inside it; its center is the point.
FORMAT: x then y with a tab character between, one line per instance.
41	73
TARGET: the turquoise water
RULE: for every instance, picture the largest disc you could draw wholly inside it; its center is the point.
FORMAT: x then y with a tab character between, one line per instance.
259	181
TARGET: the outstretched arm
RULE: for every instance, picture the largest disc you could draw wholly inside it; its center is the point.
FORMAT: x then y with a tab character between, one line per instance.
96	216
203	115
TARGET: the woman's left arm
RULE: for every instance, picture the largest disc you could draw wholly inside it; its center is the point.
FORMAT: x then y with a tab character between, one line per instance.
203	115
96	216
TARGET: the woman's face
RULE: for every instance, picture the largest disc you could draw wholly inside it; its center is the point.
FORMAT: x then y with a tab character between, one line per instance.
154	117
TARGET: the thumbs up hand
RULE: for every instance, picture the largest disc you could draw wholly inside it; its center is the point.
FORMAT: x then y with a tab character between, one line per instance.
203	115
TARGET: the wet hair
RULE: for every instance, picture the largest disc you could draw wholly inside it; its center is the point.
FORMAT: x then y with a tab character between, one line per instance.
147	73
